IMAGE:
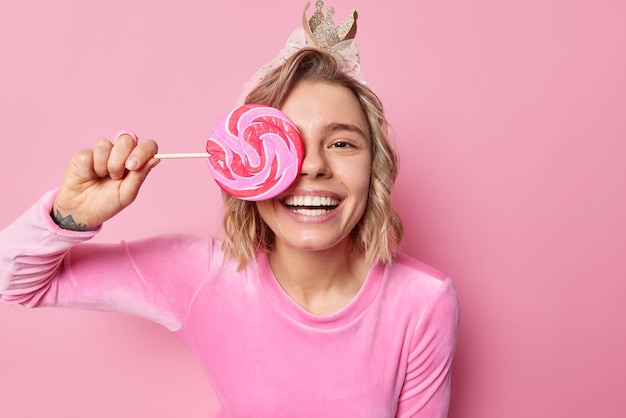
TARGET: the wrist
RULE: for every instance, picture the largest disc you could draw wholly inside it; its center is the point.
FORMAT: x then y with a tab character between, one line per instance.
67	221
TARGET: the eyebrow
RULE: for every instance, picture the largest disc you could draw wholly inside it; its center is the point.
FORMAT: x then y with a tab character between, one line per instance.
337	126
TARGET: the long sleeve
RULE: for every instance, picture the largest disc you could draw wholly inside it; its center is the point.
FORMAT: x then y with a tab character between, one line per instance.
426	389
387	353
44	265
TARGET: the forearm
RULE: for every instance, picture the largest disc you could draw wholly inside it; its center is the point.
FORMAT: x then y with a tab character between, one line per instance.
32	249
42	264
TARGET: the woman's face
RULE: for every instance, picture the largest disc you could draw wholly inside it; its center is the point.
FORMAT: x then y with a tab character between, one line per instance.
329	196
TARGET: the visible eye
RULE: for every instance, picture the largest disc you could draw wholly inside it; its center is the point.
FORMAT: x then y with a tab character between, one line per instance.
341	144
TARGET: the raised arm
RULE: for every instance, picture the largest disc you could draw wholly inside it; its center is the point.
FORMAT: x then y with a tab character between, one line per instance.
46	261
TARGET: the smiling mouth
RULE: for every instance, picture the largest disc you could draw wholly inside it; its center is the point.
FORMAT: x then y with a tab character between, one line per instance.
311	205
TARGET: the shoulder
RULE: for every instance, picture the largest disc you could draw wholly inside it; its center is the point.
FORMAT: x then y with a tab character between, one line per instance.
421	289
175	251
173	244
413	276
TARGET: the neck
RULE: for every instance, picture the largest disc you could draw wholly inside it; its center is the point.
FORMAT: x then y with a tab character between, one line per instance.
322	282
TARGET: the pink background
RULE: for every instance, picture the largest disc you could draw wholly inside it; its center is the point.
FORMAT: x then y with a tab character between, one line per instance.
510	118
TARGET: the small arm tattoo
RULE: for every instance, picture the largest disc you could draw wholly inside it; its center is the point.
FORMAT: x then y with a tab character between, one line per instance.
67	222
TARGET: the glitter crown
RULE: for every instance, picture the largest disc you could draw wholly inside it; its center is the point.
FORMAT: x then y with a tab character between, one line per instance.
322	30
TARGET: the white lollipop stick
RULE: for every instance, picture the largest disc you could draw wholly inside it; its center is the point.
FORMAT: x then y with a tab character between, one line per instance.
183	155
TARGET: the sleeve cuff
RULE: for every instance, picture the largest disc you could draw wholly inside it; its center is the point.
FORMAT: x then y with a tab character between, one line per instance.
45	208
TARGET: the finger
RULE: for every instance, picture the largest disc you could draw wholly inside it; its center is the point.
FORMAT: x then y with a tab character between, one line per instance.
134	180
101	153
82	165
141	155
122	148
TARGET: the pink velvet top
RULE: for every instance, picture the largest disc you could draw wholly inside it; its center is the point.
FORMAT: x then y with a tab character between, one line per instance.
387	353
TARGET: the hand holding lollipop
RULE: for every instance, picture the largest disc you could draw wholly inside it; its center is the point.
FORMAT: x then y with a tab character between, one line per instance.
102	181
254	153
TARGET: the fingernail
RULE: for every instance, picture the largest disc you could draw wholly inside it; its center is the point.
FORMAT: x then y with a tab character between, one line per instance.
126	133
154	162
132	163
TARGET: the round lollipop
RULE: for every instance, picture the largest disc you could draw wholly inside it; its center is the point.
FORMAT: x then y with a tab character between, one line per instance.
255	152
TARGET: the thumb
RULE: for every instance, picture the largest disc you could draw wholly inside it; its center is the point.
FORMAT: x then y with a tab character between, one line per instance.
133	181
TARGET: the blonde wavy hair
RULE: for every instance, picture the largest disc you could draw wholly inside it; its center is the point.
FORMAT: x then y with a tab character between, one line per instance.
378	234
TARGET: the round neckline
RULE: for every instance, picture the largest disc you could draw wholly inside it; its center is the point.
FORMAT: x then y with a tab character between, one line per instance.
290	308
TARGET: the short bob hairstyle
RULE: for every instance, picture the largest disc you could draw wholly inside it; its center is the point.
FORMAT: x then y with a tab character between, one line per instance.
377	235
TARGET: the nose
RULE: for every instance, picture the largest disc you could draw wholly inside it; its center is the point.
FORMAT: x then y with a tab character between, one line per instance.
315	163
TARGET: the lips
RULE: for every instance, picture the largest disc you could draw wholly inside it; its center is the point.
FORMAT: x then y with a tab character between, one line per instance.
311	205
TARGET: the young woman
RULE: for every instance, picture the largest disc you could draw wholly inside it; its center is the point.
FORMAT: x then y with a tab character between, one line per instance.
305	307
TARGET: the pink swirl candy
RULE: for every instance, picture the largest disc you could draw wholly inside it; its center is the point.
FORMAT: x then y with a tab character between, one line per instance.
256	152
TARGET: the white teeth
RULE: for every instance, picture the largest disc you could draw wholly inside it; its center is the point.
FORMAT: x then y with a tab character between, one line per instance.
312	212
311	201
311	205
